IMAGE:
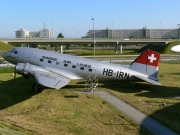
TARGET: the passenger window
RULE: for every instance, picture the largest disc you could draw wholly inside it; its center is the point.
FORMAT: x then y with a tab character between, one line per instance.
65	65
57	63
90	70
49	61
41	60
82	68
73	66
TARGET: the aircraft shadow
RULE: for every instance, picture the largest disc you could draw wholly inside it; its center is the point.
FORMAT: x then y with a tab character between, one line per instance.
171	113
151	91
168	121
15	91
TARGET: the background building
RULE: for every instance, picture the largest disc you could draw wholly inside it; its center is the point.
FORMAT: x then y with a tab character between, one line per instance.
135	33
34	34
44	33
22	33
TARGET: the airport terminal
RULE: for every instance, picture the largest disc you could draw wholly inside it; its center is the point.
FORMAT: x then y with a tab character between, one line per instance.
135	33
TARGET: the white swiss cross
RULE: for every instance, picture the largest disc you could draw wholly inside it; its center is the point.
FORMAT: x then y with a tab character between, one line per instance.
151	58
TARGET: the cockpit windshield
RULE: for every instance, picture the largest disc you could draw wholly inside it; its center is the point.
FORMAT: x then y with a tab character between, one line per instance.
14	51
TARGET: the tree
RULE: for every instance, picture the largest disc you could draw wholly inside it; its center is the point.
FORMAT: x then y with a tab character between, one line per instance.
60	35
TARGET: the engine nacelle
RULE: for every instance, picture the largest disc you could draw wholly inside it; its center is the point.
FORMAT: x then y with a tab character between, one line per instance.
26	68
19	68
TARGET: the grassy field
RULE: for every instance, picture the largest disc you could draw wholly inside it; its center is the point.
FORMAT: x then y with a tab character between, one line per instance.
160	102
5	47
166	49
51	112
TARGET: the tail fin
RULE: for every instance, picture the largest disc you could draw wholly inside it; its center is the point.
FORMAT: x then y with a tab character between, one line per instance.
147	63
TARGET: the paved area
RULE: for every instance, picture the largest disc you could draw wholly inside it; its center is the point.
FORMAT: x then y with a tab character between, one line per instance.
134	114
5	130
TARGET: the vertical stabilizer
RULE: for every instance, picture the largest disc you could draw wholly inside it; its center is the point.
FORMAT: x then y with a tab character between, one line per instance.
147	63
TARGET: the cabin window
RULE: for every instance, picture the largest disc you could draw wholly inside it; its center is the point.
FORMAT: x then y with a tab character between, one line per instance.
73	66
41	60
57	63
90	70
65	65
82	68
49	61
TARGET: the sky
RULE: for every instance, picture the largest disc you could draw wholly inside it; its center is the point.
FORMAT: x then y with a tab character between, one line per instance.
73	18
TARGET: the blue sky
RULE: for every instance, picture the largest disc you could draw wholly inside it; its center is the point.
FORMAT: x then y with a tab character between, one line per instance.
73	17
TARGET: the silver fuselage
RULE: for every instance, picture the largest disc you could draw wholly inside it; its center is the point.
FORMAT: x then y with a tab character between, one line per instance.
80	68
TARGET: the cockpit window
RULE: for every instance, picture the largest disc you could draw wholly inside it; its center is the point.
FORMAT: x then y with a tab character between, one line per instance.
14	51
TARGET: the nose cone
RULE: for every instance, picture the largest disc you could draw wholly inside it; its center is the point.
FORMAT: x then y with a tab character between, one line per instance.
175	48
4	54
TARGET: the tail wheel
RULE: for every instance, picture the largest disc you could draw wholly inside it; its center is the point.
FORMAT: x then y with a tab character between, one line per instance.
134	84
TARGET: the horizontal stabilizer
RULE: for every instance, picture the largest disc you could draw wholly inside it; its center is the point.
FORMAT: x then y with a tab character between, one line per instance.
148	80
50	79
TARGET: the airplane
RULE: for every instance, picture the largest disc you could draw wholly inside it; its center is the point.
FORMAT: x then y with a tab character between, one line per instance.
175	48
55	70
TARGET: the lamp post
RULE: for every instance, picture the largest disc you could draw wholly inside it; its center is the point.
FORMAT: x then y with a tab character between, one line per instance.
93	36
178	26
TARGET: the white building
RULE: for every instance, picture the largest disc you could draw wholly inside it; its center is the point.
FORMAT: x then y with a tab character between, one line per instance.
22	33
46	33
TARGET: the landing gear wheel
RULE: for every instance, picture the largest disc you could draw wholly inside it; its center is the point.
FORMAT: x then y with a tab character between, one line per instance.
134	85
26	76
37	88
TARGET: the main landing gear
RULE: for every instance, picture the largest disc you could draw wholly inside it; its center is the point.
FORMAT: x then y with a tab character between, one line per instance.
37	88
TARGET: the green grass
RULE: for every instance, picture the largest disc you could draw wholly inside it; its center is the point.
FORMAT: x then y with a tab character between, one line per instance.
5	47
6	70
152	97
166	49
51	112
90	52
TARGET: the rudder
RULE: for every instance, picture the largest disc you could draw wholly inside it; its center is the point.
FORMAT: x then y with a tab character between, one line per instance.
147	63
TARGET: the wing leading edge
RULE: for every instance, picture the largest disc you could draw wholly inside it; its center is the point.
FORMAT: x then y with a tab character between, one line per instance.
43	76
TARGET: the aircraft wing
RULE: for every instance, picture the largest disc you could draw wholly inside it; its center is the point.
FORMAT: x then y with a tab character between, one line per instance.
46	76
50	79
62	72
147	79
